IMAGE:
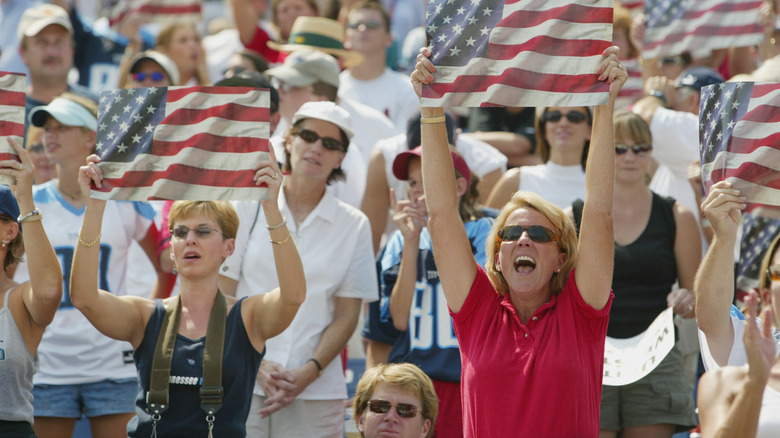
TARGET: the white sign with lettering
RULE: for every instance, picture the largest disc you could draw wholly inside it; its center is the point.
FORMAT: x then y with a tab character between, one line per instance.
628	360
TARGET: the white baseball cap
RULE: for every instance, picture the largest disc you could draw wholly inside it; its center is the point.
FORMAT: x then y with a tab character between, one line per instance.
327	111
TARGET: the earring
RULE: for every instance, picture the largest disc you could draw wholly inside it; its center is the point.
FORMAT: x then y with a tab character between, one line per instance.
4	243
174	271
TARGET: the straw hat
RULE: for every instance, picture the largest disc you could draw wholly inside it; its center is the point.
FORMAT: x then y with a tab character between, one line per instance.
319	33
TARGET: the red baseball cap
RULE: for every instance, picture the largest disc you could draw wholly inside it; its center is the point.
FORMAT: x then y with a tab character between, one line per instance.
401	164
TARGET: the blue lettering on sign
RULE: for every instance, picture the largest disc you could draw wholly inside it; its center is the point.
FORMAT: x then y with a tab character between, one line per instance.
65	255
2	351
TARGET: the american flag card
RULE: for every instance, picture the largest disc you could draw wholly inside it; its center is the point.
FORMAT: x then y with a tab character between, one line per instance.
517	52
194	143
739	140
157	11
700	26
13	87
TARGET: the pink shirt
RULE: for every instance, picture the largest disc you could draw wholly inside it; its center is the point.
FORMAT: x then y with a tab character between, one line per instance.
542	379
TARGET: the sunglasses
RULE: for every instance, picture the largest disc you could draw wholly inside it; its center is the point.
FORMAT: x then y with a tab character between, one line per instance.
36	148
181	232
404	410
774	272
638	149
572	116
156	76
372	24
329	143
537	233
671	60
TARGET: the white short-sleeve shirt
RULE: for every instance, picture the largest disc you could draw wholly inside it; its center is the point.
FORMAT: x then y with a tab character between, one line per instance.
334	242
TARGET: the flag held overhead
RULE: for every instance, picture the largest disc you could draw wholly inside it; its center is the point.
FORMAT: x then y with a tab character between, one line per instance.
195	143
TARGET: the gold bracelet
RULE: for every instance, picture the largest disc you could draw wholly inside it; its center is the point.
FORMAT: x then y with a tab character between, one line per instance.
91	243
281	241
428	120
277	226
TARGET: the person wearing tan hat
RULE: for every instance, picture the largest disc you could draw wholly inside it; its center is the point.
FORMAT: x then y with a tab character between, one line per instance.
301	382
46	46
247	13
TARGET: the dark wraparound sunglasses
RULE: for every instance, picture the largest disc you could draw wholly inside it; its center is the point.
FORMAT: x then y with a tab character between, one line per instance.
637	149
329	143
404	410
572	116
537	233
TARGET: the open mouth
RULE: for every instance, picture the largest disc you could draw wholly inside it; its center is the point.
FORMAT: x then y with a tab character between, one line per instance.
525	264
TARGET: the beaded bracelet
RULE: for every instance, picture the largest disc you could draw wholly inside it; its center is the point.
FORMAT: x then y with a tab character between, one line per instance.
91	243
277	226
429	120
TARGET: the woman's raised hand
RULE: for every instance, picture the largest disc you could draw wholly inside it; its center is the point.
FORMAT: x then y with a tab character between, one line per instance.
723	208
409	215
423	71
21	170
90	173
267	172
612	70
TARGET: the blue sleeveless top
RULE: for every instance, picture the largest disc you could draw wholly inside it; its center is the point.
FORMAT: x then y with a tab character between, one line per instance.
184	418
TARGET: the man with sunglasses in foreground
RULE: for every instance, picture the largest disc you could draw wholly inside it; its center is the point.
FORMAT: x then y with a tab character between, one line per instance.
395	399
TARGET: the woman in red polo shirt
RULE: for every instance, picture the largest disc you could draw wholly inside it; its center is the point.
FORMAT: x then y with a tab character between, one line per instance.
531	327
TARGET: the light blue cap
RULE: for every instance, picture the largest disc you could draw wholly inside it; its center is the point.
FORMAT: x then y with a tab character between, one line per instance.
65	111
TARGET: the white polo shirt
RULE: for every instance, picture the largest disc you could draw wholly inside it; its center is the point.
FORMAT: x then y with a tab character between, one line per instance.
334	242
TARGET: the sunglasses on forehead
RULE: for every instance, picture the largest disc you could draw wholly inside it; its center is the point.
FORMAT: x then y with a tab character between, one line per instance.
572	116
404	410
156	76
537	233
328	143
637	149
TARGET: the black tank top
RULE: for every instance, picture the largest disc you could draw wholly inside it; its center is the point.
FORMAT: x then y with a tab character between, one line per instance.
185	418
645	271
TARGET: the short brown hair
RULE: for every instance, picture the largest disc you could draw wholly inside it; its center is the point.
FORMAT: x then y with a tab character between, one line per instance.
405	376
221	212
373	5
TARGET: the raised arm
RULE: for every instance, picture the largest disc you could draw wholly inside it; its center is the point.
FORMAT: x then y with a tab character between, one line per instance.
597	240
42	294
730	398
714	283
122	318
246	18
272	312
457	268
376	198
410	219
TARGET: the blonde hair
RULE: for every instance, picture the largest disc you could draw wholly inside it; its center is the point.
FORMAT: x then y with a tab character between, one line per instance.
405	376
164	40
562	226
221	212
629	126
